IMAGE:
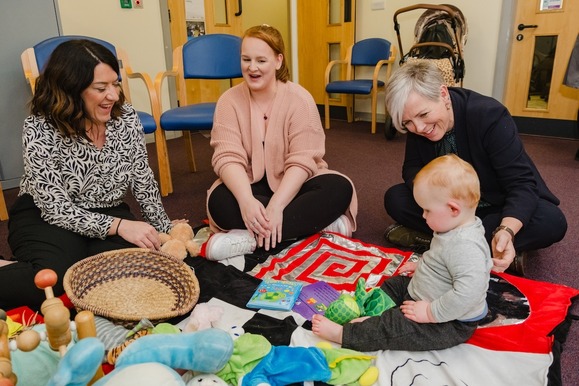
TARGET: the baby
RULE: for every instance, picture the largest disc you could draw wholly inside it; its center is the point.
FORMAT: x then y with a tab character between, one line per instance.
443	296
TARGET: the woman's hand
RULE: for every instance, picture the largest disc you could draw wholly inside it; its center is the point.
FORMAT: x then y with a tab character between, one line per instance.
255	219
140	233
275	215
290	185
502	244
503	251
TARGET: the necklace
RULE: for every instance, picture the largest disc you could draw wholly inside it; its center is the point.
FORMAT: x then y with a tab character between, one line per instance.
264	112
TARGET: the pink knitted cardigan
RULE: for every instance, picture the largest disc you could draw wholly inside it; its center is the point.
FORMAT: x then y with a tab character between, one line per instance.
294	137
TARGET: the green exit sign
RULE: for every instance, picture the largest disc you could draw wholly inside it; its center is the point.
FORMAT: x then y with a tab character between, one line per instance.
126	4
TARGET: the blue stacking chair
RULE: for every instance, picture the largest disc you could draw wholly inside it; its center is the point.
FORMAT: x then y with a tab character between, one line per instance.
212	56
35	58
372	52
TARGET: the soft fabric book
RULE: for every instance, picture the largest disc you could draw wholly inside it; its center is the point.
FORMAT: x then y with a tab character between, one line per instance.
315	298
275	295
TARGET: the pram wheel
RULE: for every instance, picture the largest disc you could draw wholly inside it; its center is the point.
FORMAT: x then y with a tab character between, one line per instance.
389	129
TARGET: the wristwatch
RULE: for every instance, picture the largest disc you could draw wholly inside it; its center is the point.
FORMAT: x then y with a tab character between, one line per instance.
504	228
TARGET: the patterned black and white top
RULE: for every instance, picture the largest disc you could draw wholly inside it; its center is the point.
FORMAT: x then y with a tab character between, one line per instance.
67	176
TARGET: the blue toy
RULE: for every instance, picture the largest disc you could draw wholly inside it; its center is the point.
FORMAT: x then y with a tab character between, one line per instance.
149	361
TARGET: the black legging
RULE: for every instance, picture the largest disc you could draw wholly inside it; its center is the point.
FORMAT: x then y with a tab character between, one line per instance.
547	225
37	244
320	201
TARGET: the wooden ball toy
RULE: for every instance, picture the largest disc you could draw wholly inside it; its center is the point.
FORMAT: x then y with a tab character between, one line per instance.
46	279
28	340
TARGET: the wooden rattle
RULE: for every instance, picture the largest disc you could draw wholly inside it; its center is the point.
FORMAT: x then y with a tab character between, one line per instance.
57	318
56	315
85	328
58	329
7	377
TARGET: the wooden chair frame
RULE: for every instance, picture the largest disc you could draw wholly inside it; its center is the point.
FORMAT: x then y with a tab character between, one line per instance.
178	73
350	75
3	210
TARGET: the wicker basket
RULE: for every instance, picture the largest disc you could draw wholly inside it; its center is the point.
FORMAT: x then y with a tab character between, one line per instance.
127	285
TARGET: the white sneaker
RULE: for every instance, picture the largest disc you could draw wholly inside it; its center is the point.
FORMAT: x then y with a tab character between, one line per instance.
224	245
341	225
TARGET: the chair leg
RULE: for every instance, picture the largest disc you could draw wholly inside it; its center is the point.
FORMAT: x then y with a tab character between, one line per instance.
374	108
350	108
3	210
165	180
189	149
327	110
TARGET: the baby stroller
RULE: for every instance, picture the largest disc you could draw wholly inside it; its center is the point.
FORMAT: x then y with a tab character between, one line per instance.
439	35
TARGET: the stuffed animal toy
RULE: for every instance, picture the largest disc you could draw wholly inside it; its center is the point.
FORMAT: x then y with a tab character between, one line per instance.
204	351
202	317
216	360
180	241
255	362
362	303
149	361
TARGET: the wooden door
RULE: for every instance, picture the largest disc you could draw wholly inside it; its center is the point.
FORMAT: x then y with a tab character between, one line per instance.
220	17
544	33
326	28
224	16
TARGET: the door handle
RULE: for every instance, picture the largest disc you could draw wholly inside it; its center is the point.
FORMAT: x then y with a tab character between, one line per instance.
523	26
239	7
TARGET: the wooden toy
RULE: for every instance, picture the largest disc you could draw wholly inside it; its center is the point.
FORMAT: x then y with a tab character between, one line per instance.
58	329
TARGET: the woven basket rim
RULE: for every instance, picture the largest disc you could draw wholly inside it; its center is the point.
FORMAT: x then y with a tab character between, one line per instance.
177	269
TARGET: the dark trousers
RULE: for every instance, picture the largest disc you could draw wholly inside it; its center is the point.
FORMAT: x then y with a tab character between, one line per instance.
320	201
37	245
547	226
393	331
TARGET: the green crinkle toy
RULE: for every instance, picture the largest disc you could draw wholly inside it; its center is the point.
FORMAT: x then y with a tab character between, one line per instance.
363	303
343	309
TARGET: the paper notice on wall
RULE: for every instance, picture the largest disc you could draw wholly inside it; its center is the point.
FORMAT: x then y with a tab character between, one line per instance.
194	10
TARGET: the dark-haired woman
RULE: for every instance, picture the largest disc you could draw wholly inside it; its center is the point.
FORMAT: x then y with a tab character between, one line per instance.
83	150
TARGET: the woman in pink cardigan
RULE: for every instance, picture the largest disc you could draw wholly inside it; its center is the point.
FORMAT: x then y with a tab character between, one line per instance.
269	145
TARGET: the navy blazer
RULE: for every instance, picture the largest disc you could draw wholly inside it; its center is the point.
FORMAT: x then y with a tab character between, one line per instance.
487	138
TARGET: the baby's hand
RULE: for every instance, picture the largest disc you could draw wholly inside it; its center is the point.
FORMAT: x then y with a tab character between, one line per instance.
417	311
408	268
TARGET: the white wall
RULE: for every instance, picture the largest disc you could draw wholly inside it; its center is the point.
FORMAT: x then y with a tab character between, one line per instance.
137	31
482	18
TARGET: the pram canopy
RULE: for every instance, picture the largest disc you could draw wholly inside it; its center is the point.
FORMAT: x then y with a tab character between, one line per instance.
440	34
